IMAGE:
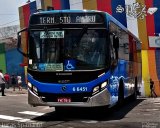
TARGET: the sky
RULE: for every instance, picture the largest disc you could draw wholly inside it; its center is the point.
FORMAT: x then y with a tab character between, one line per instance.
9	14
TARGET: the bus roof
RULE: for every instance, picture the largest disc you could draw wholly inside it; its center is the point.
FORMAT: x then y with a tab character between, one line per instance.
67	11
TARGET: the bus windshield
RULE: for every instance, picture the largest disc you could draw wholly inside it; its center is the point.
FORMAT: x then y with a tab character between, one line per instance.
68	49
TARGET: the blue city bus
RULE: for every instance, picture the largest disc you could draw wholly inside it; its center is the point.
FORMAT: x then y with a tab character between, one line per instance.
80	58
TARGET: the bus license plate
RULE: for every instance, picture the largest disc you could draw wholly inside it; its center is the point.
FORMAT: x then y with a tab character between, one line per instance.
64	100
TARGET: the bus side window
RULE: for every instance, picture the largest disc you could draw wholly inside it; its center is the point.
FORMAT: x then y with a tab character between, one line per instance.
35	39
112	52
116	45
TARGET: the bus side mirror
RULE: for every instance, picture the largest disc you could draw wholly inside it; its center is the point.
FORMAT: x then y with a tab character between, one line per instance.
116	42
19	42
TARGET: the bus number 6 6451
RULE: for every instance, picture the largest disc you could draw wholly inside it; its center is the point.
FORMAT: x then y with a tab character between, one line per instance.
79	89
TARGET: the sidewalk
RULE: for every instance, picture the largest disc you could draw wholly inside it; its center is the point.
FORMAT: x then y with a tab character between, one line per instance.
10	91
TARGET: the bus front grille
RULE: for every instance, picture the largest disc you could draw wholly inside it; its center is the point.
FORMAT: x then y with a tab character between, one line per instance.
50	97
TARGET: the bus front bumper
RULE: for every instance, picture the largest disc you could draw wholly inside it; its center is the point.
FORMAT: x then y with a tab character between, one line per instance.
100	99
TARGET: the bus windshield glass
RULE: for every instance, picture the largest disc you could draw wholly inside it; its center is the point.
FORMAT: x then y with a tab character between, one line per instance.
68	49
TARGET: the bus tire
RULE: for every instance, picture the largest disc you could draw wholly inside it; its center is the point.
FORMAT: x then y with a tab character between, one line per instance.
121	93
134	95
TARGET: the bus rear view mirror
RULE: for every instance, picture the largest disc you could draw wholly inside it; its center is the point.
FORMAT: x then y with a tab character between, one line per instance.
115	42
19	41
19	37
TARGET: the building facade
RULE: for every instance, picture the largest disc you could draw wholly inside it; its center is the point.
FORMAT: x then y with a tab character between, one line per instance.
10	58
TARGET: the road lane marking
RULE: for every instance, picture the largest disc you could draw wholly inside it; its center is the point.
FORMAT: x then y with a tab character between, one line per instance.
32	113
90	121
157	103
45	108
19	119
152	109
2	126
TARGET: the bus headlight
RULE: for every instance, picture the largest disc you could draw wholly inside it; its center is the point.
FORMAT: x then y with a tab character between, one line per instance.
103	85
99	88
35	90
95	90
29	85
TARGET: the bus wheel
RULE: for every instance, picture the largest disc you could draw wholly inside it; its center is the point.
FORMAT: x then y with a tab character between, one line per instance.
121	93
134	95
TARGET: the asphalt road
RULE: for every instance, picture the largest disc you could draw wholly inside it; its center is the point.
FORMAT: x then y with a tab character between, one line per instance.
16	113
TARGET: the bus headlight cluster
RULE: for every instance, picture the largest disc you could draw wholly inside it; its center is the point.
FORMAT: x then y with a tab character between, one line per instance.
99	88
95	90
29	85
33	88
103	85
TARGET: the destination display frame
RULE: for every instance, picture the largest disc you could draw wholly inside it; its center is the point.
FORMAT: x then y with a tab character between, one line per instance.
66	18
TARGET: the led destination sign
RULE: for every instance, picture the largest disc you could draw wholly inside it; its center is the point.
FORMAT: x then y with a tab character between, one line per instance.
67	19
72	18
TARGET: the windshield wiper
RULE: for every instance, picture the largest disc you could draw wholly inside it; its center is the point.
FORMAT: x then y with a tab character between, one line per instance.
85	28
46	32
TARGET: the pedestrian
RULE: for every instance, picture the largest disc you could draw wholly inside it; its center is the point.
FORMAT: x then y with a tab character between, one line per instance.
19	80
13	81
7	80
153	94
2	83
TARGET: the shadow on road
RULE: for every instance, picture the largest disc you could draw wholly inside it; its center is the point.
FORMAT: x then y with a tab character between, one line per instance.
68	114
